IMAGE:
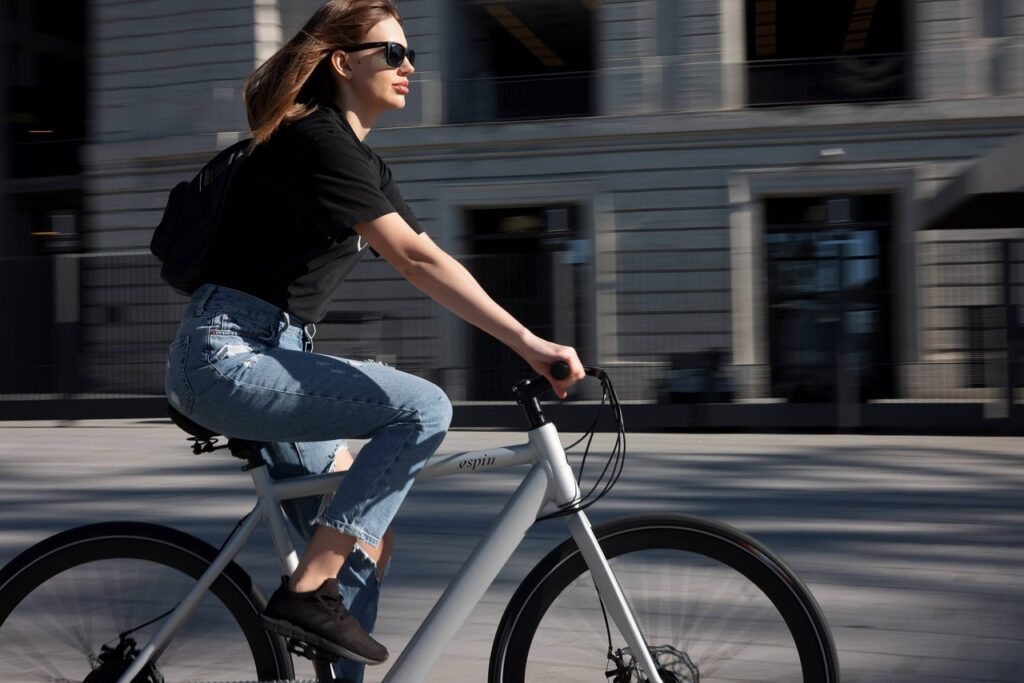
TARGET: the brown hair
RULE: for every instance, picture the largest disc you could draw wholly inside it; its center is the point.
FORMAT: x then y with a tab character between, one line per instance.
297	79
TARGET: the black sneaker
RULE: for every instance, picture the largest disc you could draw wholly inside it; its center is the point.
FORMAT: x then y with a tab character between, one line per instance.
320	619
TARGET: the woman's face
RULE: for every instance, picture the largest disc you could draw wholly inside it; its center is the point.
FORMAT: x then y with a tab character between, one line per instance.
371	80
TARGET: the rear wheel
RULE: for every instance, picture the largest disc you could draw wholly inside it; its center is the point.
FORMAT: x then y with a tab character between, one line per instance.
76	606
712	603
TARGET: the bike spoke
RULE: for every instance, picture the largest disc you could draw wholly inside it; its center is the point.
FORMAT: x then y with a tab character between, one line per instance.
58	631
696	615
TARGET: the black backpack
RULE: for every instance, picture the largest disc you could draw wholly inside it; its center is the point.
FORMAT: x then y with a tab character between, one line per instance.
184	239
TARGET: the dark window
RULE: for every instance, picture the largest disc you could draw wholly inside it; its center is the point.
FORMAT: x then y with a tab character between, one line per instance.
808	51
992	19
829	297
521	257
521	59
45	77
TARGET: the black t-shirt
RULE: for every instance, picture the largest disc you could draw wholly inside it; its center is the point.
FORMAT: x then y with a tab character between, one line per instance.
287	234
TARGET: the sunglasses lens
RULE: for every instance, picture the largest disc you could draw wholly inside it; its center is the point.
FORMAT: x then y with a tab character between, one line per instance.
397	54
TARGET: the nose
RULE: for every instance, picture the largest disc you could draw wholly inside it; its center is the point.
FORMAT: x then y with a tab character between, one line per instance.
406	68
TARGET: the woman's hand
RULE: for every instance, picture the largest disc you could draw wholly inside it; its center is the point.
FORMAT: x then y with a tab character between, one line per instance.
541	354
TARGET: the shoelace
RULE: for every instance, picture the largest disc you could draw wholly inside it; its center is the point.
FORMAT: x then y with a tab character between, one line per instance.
333	603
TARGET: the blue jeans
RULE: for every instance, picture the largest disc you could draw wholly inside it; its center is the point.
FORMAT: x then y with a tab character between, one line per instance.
238	366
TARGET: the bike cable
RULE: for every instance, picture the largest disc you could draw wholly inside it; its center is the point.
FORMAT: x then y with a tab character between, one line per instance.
130	631
609	476
615	462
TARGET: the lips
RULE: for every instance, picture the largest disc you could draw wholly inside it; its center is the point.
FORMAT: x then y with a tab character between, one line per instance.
401	88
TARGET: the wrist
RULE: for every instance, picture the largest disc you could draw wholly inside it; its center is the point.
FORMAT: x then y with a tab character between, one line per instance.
522	340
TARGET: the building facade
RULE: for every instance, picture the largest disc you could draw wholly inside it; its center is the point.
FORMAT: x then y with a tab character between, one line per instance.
710	197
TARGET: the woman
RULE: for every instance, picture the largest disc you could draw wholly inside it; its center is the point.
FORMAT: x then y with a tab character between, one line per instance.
310	198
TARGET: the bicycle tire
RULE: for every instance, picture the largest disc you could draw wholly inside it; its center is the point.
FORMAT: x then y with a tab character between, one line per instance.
82	555
726	556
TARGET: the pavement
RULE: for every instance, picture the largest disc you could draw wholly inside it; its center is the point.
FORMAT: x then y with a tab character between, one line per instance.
913	545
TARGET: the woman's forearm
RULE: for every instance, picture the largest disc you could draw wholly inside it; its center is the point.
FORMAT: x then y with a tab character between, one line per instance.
448	282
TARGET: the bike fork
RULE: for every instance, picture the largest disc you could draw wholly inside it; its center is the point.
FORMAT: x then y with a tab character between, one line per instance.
610	593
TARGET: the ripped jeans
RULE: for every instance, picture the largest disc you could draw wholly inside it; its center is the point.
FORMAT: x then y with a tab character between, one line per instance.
238	366
360	580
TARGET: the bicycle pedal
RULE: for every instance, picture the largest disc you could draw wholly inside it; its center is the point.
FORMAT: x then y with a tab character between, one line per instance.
303	649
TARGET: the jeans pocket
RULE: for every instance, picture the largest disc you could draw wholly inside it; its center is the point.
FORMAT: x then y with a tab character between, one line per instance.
176	384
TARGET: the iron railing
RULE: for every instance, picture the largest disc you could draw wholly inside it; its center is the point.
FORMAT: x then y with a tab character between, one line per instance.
845	78
559	95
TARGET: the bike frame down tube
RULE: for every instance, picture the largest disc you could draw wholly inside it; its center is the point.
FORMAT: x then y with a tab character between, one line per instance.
550	480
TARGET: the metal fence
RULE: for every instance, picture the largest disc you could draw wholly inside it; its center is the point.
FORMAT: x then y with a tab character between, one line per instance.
506	98
92	328
846	78
96	327
972	323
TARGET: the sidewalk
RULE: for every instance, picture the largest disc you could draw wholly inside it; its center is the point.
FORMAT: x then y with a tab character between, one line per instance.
914	546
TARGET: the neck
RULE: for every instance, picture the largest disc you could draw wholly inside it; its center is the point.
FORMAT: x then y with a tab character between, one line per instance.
360	120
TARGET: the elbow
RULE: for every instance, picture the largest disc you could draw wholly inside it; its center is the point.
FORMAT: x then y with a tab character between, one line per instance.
416	264
416	268
410	269
418	259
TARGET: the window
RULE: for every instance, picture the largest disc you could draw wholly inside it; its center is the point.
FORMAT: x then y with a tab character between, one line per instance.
808	51
521	59
523	256
44	75
829	296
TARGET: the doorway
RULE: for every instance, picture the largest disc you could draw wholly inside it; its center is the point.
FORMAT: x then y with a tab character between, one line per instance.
829	297
524	258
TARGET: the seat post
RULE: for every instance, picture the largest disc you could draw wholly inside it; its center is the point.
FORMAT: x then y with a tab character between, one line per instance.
271	510
250	451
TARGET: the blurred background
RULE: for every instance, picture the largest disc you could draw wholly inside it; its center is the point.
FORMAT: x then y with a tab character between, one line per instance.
755	213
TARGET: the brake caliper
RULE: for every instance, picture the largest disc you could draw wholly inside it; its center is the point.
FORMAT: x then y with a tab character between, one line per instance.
114	660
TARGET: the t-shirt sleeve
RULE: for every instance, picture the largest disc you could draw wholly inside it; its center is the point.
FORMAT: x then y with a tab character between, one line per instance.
337	187
390	190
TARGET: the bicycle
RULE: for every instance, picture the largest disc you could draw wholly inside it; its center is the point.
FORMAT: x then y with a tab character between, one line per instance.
654	598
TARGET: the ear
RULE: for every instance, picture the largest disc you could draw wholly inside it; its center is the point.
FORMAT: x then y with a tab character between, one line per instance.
339	64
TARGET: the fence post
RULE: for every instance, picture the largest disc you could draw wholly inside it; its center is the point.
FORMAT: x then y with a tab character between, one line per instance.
67	321
1009	334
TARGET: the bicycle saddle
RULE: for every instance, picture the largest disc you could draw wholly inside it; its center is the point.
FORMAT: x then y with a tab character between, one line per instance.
188	426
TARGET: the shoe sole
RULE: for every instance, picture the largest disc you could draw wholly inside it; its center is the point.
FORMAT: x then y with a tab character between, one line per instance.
290	630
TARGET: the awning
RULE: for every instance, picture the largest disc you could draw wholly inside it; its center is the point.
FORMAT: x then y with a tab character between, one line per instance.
989	194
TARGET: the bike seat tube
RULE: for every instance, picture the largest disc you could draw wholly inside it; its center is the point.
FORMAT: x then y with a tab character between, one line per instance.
565	490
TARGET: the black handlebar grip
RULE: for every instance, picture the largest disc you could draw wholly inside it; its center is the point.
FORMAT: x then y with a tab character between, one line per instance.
559	369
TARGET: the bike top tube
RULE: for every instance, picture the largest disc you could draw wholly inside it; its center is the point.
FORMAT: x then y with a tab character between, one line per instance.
543	445
466	462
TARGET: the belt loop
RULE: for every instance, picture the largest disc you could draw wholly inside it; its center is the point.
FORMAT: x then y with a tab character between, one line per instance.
307	343
203	298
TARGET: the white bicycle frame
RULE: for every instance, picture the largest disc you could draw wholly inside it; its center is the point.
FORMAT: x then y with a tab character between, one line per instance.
550	480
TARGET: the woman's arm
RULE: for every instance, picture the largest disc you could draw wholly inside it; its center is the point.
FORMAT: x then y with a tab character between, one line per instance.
445	280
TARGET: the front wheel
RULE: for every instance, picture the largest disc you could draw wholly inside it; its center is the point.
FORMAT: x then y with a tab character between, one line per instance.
712	603
79	605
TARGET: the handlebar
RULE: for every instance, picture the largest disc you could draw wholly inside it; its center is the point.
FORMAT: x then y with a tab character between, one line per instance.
528	390
559	369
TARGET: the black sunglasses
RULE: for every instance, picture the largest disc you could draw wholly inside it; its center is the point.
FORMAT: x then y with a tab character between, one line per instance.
395	53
